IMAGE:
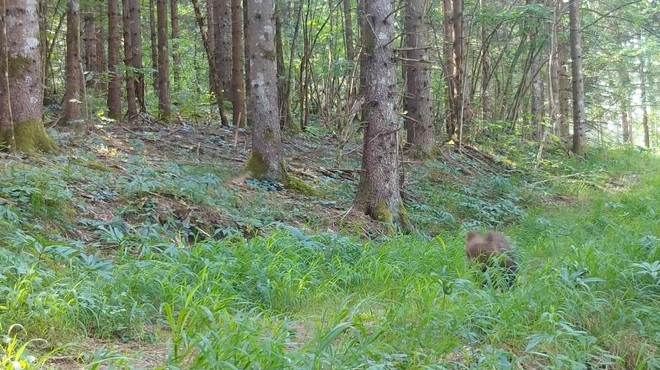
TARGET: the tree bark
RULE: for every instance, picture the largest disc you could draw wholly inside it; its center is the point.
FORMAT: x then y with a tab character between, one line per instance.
114	95
448	66
136	45
579	115
21	125
485	72
266	158
210	46
564	90
74	76
237	73
553	69
176	57
153	44
223	48
420	131
89	39
207	40
624	105
101	44
6	118
164	108
378	192
537	98
222	54
131	97
348	30
462	111
283	85
643	97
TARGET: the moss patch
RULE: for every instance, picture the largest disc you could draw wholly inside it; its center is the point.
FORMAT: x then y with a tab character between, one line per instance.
298	185
31	135
383	214
256	166
259	168
404	219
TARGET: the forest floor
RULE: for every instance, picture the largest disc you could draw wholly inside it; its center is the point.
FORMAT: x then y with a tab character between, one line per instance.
162	201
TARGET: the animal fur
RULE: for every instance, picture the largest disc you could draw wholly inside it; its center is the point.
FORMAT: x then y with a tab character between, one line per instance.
492	250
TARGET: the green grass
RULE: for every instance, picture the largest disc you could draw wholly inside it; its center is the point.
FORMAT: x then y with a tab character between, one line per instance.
293	298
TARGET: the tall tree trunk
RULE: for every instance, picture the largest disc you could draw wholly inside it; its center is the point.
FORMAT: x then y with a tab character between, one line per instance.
246	66
136	45
164	108
579	114
417	76
462	110
448	66
74	77
207	40
362	83
286	121
624	105
89	40
223	48
305	66
114	95
485	71
42	10
285	101
348	30
564	89
21	124
237	58
553	69
176	57
222	53
210	47
266	160
101	44
378	192
536	78
153	44
537	98
643	96
131	96
7	138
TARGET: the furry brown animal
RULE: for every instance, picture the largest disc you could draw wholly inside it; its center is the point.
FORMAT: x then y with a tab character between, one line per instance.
492	250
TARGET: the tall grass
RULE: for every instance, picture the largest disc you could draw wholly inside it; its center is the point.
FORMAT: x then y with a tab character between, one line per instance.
586	294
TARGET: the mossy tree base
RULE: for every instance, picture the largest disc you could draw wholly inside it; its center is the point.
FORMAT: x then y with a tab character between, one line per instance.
30	136
421	153
392	219
260	168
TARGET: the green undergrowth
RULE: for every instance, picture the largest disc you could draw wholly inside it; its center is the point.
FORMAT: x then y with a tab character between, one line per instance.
143	263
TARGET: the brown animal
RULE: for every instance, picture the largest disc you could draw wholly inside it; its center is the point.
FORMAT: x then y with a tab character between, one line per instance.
492	250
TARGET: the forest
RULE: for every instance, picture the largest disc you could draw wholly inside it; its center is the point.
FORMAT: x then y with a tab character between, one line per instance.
329	184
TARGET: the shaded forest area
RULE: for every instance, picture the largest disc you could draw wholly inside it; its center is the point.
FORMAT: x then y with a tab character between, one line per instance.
409	77
288	184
